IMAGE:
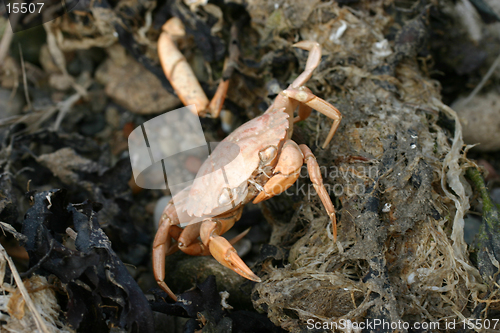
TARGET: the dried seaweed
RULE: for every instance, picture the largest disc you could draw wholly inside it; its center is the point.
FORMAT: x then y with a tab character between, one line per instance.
72	161
101	291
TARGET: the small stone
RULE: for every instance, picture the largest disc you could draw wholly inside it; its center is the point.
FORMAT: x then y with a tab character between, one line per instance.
471	228
480	121
495	195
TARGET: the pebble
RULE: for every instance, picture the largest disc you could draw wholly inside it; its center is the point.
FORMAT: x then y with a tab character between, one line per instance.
495	195
472	224
480	121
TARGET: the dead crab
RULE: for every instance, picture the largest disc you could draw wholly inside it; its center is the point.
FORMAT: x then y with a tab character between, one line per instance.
272	163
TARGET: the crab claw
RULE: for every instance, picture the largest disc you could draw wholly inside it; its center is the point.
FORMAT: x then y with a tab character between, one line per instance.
225	253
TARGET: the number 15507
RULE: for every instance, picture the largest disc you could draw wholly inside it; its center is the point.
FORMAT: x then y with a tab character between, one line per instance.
23	8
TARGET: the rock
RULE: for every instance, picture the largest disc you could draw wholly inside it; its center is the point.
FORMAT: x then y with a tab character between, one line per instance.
471	227
495	195
132	86
480	121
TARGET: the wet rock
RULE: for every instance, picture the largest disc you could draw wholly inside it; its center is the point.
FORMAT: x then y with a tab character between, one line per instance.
471	228
481	123
495	195
191	270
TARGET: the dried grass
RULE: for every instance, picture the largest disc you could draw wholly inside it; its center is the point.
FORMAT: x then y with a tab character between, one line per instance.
27	306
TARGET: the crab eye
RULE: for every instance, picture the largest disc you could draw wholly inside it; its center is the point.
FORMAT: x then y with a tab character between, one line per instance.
268	154
225	196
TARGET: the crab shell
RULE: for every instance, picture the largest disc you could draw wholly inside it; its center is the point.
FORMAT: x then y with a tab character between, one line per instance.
221	184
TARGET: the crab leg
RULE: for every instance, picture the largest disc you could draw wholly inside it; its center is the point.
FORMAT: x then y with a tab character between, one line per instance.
222	250
285	174
304	109
313	61
215	105
315	176
175	232
188	241
162	246
304	96
287	171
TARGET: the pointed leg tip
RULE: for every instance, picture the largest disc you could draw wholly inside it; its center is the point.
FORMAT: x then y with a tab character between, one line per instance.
224	253
260	197
241	268
252	277
257	279
166	289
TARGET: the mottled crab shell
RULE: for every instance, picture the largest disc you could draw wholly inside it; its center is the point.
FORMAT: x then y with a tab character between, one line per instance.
209	194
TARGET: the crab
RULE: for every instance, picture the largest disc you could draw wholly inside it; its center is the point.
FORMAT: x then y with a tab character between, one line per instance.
271	164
